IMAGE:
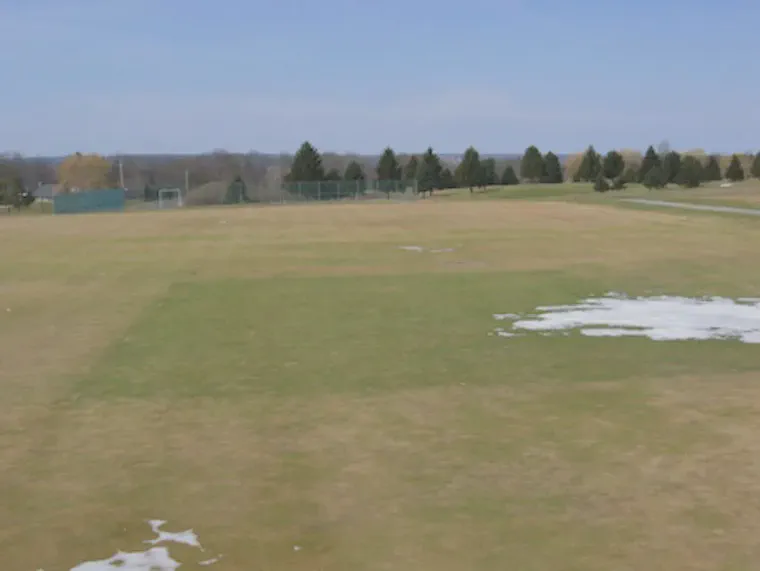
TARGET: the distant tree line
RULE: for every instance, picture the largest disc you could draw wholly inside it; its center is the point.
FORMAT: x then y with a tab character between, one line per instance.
241	177
427	171
611	171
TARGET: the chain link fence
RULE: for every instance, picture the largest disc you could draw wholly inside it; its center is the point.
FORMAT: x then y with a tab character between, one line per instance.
307	191
276	192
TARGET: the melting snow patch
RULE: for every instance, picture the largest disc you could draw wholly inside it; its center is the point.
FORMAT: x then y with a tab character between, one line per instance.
187	537
154	559
661	318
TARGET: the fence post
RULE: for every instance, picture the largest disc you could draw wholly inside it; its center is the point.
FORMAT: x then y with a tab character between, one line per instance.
319	191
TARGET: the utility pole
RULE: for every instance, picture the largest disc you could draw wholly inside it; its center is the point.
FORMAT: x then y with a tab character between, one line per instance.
187	181
121	174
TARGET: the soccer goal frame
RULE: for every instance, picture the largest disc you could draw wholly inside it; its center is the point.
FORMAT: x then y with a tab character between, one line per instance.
165	194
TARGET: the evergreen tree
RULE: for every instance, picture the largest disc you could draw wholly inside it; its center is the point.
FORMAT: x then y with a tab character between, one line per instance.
410	170
671	165
590	167
388	167
532	164
354	174
651	159
354	171
613	165
332	175
433	170
654	178
600	183
467	172
690	173
630	175
237	192
447	179
509	176
425	178
735	172
711	171
755	170
552	168
488	176
307	165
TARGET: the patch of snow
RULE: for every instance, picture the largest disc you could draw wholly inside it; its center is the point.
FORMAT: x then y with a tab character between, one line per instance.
661	318
154	559
503	333
505	316
186	537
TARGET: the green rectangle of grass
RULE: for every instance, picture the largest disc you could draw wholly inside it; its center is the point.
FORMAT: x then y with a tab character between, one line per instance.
321	335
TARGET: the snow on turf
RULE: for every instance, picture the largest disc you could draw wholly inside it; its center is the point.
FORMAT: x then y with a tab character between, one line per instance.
661	318
153	559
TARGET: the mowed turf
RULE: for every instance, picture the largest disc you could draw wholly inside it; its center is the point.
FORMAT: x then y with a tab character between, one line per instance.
287	376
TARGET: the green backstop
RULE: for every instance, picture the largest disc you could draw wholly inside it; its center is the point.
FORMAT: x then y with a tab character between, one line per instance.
107	200
348	189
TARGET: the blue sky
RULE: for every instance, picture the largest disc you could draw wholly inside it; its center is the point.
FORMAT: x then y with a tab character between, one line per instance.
351	75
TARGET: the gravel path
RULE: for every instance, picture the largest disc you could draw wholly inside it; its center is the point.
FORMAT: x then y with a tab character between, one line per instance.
688	206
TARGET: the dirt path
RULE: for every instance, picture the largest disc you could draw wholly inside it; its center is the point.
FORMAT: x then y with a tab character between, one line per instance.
688	206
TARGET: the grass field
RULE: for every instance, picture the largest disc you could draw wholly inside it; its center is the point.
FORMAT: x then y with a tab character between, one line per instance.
745	194
287	376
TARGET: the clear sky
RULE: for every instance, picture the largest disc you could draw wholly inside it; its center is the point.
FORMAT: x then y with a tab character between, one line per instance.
196	75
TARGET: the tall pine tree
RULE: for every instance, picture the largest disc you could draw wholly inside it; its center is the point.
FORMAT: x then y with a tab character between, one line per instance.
654	178
410	169
467	172
651	159
711	171
354	171
690	173
532	164
425	178
735	172
509	176
590	167
488	176
307	165
237	192
388	167
332	175
613	165
671	165
552	168
447	179
429	172
755	170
